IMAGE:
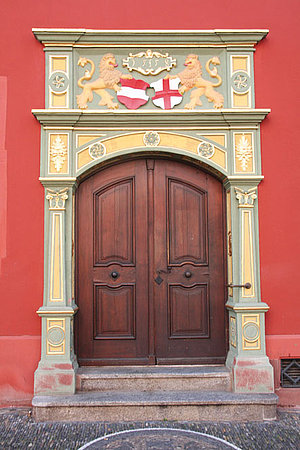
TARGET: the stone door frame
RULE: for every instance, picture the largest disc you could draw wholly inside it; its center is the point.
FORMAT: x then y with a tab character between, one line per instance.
224	142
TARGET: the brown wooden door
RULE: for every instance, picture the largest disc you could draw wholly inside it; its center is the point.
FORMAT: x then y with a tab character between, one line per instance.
150	265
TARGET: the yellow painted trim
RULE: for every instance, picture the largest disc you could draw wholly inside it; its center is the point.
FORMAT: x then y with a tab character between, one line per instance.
236	63
59	324
247	254
135	141
233	336
255	343
56	312
56	258
229	242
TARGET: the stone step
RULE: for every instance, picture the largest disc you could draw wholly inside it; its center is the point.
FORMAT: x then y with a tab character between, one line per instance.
153	378
147	406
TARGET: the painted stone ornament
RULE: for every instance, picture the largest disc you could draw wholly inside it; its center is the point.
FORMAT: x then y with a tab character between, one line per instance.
133	93
109	77
191	77
97	150
167	94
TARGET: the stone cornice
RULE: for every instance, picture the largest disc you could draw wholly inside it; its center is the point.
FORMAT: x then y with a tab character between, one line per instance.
138	38
147	118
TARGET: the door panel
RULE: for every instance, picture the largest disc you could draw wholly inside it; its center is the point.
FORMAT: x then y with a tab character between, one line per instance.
114	233
188	255
112	266
150	265
187	220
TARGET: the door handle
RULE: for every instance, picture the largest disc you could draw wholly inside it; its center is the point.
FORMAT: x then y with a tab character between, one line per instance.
246	285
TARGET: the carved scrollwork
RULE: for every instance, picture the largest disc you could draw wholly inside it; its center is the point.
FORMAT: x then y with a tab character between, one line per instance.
57	199
246	198
149	62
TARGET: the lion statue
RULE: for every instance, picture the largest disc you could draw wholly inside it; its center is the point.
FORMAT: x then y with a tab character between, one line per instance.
108	79
191	77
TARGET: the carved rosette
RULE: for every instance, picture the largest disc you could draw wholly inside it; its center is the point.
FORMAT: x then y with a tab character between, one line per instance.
57	199
97	150
151	139
246	198
206	149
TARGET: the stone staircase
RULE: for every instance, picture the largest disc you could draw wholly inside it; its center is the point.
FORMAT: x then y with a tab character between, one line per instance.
182	393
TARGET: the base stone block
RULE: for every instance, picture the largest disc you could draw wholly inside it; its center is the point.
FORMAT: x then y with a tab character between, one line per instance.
56	378
253	375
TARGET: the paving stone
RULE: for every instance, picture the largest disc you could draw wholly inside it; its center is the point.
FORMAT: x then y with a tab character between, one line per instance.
18	430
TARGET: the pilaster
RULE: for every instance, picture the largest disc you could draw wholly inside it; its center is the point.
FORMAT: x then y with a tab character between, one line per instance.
58	365
251	369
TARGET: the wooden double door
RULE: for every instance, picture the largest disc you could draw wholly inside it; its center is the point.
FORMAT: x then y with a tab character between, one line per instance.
150	265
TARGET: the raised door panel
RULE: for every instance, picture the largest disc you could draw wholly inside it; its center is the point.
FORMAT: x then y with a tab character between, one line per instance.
114	312
187	223
114	230
188	311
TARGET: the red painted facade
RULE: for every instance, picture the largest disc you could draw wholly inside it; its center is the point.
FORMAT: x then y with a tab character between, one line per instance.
277	72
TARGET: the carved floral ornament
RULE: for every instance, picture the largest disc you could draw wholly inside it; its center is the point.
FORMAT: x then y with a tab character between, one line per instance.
58	153
244	152
131	92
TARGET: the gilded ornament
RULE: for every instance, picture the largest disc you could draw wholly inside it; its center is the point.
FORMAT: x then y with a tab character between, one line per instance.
243	152
151	139
246	198
57	198
206	149
58	153
149	62
108	79
191	77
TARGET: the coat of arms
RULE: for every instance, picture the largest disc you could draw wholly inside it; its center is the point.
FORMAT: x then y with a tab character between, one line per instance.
169	91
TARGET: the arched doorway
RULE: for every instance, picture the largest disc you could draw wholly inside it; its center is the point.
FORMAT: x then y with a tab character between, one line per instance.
150	265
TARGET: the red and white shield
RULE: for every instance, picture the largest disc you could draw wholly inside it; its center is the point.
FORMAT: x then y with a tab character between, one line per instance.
132	93
166	93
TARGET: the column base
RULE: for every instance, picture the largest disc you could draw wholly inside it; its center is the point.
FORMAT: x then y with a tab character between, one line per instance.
55	378
251	374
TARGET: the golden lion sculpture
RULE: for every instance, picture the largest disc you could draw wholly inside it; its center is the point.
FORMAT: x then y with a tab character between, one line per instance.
191	78
109	79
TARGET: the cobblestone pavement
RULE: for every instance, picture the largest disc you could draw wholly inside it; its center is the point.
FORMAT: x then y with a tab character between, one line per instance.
19	431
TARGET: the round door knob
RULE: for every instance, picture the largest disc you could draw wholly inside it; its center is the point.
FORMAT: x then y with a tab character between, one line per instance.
114	275
188	274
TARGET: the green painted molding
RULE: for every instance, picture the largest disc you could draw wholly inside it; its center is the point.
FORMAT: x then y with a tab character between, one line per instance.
162	38
149	118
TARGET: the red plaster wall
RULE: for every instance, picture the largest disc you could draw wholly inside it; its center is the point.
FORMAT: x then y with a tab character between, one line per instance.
277	72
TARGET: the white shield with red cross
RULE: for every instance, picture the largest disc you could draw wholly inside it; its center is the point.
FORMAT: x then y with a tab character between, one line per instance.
166	93
133	93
